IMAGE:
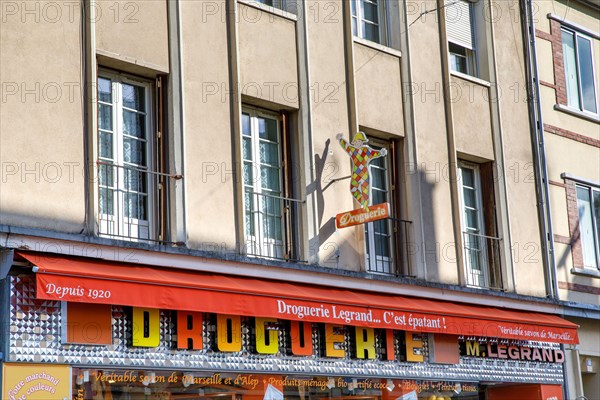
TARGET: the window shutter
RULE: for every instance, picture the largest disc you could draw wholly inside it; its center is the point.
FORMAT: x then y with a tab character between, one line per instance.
459	22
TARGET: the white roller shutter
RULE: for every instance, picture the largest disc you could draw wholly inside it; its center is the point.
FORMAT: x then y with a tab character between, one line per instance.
458	22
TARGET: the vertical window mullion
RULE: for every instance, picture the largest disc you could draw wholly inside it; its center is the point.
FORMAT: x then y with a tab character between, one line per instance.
578	70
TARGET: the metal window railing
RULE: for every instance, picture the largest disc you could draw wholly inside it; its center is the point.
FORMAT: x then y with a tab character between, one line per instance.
391	253
482	261
132	202
270	222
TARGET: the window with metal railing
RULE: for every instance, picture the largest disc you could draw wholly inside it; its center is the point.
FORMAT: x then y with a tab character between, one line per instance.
481	249
130	188
269	210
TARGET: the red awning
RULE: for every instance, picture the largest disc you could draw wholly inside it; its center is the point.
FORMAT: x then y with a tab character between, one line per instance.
95	281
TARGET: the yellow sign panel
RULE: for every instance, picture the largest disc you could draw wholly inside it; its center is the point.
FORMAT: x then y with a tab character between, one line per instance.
36	382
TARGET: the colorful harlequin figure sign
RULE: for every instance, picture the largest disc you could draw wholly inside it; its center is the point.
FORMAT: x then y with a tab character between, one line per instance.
361	155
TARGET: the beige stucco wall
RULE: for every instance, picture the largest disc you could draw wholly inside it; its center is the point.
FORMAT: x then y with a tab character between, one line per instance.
336	248
208	141
472	119
378	90
267	56
525	235
133	31
432	151
41	129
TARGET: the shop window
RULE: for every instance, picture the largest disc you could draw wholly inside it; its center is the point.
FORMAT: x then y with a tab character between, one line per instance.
130	187
460	30
481	248
588	208
579	71
370	20
268	208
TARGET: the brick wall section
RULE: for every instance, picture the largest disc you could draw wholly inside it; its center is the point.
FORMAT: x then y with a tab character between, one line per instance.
559	66
573	217
578	288
555	37
572	135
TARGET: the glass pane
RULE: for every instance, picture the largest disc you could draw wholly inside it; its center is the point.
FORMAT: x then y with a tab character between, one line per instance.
354	27
472	220
105	144
134	151
586	70
269	178
104	90
105	175
135	206
353	7
246	124
470	197
370	12
248	173
105	117
269	153
135	180
570	68
468	177
378	196
378	180
382	246
106	201
133	97
371	32
247	148
586	227
134	124
267	129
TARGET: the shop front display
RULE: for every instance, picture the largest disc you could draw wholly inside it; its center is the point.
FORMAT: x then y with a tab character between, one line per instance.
115	384
133	332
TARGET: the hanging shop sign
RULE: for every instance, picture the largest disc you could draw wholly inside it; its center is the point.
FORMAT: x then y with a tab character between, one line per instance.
361	155
36	382
512	352
361	216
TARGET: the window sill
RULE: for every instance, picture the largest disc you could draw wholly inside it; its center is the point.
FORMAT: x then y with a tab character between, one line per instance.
377	46
470	78
577	113
270	9
593	273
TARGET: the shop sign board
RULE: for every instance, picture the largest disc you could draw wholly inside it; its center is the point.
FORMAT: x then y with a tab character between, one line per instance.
36	382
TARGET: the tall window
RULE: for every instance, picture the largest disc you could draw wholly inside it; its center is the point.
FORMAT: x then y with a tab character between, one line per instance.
588	206
459	29
473	226
579	71
378	234
267	212
124	157
369	20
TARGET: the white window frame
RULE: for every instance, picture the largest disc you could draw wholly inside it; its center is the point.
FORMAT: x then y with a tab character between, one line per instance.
595	235
576	34
474	278
470	53
260	244
117	224
358	18
372	259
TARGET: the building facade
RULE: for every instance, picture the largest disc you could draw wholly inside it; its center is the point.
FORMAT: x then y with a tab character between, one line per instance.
567	49
176	219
